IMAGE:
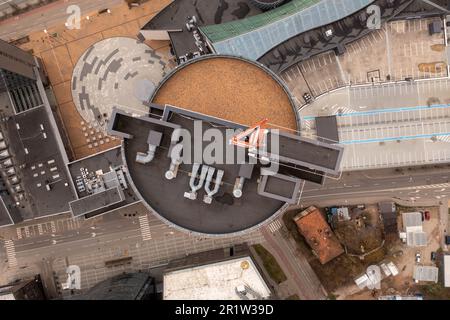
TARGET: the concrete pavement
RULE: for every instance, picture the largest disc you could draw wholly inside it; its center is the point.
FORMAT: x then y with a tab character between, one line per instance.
295	266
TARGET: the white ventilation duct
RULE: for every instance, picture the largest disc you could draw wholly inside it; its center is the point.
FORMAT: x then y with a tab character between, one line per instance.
144	158
208	198
153	141
196	186
176	161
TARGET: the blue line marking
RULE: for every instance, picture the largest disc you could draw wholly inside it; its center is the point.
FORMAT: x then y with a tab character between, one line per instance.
379	111
419	136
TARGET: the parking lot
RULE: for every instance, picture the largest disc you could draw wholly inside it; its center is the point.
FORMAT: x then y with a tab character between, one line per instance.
388	124
399	50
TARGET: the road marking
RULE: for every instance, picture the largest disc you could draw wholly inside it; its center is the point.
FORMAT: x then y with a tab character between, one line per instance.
40	229
275	226
52	224
11	253
19	233
145	228
27	232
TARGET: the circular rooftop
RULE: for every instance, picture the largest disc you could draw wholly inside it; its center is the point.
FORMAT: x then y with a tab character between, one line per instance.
229	88
118	72
224	87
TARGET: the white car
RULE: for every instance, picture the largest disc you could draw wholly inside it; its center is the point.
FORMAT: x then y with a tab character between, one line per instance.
418	256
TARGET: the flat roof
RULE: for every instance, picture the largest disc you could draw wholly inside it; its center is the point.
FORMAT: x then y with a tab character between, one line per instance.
322	240
315	154
216	281
327	130
37	161
229	88
98	201
224	215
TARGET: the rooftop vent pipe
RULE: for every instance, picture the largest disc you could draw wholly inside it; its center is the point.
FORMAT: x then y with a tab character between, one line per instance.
153	140
175	155
208	198
238	185
196	186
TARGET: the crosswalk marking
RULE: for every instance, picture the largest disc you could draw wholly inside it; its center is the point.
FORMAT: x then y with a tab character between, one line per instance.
19	233
275	226
145	228
52	225
444	138
27	232
40	229
11	253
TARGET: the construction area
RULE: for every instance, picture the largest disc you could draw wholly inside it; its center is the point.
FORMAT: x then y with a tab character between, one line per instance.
372	235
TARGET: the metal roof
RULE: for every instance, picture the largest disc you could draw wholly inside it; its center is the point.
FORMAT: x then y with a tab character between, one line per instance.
254	36
416	239
447	271
412	219
426	273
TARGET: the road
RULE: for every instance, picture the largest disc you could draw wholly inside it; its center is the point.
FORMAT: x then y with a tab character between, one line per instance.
89	244
48	16
407	184
295	266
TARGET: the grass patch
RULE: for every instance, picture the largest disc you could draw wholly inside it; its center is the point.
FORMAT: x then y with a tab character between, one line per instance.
332	296
270	264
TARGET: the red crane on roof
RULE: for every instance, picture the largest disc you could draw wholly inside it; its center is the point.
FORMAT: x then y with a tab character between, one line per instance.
255	134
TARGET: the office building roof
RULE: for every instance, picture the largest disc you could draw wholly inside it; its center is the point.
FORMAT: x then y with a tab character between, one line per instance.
216	281
34	155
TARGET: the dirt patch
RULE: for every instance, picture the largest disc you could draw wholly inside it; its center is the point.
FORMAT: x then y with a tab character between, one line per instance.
362	234
432	67
438	47
230	89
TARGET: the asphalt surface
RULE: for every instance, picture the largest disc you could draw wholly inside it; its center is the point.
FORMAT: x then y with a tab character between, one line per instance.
407	184
48	16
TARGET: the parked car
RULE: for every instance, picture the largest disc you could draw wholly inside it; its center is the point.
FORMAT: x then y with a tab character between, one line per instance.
418	257
427	215
433	256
